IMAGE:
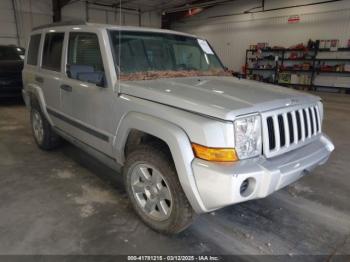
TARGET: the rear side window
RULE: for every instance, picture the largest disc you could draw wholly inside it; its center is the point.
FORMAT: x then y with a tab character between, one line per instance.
33	50
53	51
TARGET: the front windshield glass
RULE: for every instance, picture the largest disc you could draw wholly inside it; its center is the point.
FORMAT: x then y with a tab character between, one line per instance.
149	55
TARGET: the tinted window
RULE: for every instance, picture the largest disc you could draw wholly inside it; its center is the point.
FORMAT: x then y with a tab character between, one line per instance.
84	51
33	50
84	58
53	51
164	55
190	56
8	53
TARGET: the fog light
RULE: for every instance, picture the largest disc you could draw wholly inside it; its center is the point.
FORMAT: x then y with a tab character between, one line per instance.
244	186
247	187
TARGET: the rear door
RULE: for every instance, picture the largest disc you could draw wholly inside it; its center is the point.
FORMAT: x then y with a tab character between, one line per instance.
31	61
50	74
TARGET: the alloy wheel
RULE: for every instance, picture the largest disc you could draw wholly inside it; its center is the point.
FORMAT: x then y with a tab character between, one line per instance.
38	127
151	191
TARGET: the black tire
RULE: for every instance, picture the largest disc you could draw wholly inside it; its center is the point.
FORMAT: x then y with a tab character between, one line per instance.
50	140
182	214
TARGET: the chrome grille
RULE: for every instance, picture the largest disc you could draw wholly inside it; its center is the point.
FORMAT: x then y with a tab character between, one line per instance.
287	129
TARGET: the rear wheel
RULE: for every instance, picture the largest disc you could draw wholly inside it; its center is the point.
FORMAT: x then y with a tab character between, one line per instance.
155	191
43	134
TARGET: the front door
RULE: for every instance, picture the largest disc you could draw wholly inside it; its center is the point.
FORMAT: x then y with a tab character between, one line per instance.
91	115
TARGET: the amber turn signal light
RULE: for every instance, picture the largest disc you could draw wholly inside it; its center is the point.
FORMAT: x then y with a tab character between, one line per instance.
215	154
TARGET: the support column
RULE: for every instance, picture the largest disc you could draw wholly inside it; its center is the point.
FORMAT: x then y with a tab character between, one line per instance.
87	11
16	21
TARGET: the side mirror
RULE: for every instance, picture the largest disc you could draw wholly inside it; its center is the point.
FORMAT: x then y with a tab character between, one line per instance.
86	73
102	82
74	70
97	78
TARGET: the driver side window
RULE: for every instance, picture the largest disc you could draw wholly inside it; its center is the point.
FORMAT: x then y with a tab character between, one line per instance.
84	58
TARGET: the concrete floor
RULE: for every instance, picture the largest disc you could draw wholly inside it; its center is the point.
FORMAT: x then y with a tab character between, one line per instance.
64	202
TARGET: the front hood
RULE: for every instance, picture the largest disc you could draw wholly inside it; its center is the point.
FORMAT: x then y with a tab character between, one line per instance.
219	97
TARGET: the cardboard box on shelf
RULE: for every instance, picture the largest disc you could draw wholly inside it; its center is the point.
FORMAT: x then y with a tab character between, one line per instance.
284	78
294	79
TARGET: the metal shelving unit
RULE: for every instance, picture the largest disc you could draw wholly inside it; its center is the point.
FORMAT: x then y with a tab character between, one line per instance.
273	69
315	64
318	70
332	72
296	70
266	69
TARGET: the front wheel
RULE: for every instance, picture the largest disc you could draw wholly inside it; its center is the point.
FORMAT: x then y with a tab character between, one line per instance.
155	191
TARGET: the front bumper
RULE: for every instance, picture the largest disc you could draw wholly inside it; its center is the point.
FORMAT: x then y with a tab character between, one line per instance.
219	184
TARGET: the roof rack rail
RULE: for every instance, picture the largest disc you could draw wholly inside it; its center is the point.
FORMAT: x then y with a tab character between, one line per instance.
73	22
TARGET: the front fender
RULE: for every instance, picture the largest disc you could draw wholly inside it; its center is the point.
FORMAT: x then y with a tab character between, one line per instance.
178	143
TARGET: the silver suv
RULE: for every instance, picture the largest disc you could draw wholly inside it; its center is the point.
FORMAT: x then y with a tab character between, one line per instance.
159	106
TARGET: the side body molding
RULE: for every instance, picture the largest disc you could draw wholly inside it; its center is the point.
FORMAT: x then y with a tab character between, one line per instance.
178	143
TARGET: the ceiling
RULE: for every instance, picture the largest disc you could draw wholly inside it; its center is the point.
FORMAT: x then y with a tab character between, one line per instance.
147	5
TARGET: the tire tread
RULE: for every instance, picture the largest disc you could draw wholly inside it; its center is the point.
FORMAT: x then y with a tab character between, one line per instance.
51	139
157	153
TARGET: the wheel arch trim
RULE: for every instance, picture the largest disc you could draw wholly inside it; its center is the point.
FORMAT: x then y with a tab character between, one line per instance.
178	143
34	91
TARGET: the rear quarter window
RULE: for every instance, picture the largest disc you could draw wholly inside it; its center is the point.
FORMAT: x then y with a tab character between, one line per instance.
52	53
33	49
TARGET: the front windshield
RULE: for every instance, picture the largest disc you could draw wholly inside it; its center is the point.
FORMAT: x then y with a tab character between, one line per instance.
150	55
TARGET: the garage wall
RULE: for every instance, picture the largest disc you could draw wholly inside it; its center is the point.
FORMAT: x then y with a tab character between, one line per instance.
7	23
30	13
232	34
97	14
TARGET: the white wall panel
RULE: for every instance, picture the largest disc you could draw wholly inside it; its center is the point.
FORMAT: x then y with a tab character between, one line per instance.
232	35
112	18
151	19
96	14
75	10
30	13
8	32
5	4
131	19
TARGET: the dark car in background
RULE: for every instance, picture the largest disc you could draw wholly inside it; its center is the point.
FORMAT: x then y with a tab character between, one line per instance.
11	65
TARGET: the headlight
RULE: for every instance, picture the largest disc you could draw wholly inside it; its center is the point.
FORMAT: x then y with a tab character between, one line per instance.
248	136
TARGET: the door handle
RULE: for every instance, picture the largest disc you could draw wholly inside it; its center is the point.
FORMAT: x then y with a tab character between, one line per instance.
39	79
66	88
